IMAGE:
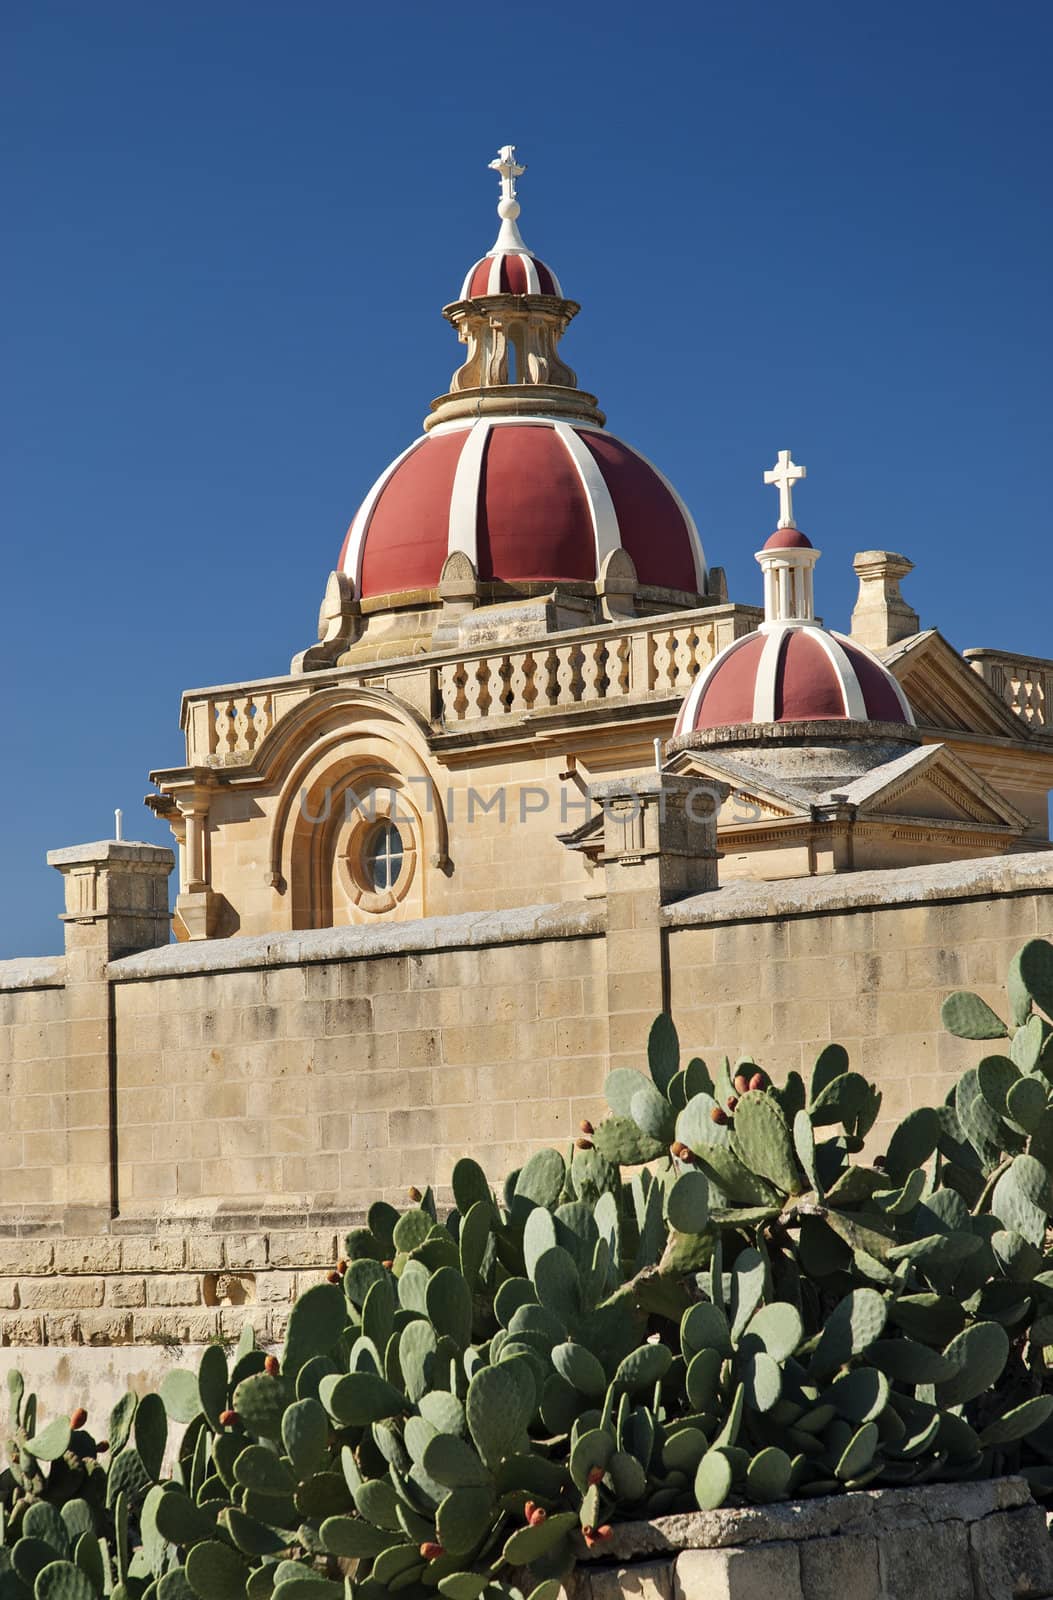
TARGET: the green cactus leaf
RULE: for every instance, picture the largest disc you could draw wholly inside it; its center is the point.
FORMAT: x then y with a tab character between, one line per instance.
418	1348
498	1412
172	1585
399	1559
843	1100
473	1240
906	1361
260	1401
699	1128
29	1556
463	1585
1028	1043
355	1539
1019	1422
44	1521
591	1452
61	1580
1026	1102
305	1435
150	1429
628	1476
663	1052
449	1302
995	1076
531	1544
181	1397
51	1442
361	1274
376	1500
981	1352
464	1519
378	1312
858	1453
451	1461
855	1322
747	1288
831	1062
180	1521
260	1469
687	1203
763	1143
620	1086
1022	1199
712	1481
580	1368
252	1538
804	1148
470	1185
776	1328
119	1427
127	1475
558	1285
542	1178
912	1144
77	1516
619	1140
359	1398
88	1556
705	1327
652	1112
411	1230
683	1449
643	1368
316	1321
968	1017
768	1475
1034	964
216	1571
860	1395
703	1379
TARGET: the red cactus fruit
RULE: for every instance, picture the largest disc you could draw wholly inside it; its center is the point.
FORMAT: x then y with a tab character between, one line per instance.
229	1419
742	1083
528	1510
341	1265
103	1444
332	1277
586	1126
415	1194
733	1101
79	1418
431	1551
584	1144
757	1081
604	1532
271	1366
718	1116
537	1516
388	1264
595	1475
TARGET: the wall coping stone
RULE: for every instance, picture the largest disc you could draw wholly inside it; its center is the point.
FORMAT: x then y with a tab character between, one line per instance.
863	1511
33	972
518	925
110	850
772	900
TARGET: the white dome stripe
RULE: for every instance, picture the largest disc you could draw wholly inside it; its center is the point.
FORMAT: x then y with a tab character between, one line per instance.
601	507
890	676
685	722
364	515
464	497
767	675
533	281
851	691
698	554
493	282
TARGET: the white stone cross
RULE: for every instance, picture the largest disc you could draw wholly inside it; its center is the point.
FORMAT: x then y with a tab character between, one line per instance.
509	168
784	475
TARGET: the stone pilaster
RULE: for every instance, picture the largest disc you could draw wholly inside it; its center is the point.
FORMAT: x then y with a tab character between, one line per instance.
659	845
116	904
882	616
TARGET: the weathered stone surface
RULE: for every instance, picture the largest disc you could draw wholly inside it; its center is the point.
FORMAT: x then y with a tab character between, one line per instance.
19	1257
166	1254
302	1249
1012	1556
931	1560
99	1254
842	1568
60	1294
645	1580
756	1572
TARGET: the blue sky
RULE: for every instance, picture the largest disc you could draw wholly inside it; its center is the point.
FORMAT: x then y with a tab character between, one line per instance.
230	227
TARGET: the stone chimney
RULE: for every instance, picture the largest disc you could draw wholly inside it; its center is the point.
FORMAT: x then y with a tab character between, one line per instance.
882	616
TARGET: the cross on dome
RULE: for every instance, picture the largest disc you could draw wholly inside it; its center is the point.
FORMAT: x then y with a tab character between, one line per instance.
784	475
509	169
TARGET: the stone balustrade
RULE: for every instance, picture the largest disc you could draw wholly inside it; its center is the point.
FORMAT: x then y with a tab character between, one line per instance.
649	658
1025	683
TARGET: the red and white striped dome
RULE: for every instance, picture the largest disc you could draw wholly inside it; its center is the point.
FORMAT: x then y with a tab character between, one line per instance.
792	672
527	499
510	272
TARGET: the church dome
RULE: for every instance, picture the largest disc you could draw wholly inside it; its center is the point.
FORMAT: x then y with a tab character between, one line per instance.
515	469
791	670
528	500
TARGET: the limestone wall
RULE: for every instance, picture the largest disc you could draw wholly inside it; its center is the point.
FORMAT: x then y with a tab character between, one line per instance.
244	1099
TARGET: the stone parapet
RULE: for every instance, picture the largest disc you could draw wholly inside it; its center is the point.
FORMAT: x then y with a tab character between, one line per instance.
976	1541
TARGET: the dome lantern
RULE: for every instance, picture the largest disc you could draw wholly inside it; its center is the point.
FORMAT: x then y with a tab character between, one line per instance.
511	314
788	558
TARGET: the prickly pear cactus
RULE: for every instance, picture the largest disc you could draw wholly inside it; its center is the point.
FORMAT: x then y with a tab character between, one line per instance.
729	1291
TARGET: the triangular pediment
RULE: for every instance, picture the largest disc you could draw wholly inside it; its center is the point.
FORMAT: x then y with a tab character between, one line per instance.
749	800
944	691
934	784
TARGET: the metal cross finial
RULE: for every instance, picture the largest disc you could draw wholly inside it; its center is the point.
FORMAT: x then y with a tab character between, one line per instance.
784	475
509	169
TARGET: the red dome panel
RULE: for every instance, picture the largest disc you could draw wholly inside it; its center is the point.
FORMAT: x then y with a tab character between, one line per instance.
408	534
512	278
882	701
807	688
651	523
788	539
728	696
534	522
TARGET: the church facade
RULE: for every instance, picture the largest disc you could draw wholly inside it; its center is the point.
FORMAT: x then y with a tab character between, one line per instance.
537	779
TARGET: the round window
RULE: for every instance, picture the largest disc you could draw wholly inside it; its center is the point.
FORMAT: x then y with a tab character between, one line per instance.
382	856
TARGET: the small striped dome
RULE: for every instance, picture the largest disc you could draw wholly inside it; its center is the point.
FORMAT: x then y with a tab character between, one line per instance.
789	672
527	499
510	272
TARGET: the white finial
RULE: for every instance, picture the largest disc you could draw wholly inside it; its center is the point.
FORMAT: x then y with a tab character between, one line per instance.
784	475
658	755
509	239
118	823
